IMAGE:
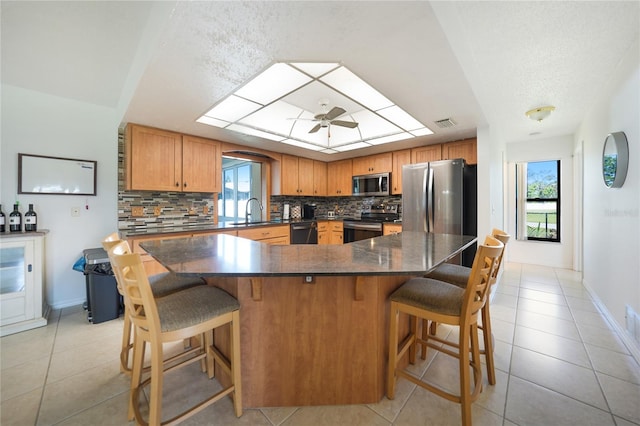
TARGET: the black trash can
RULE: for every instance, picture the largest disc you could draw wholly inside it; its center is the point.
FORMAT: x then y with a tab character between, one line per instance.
104	302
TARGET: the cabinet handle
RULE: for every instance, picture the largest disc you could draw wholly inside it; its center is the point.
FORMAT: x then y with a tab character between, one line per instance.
177	184
185	184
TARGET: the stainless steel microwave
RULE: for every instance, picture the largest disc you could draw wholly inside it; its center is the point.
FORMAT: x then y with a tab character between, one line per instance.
377	184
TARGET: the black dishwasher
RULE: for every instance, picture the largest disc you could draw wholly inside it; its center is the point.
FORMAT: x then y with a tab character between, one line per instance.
304	233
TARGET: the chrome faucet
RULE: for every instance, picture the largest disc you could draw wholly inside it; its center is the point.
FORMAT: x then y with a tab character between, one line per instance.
247	214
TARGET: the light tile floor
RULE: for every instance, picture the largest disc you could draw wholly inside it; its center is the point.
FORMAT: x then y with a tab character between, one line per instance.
559	363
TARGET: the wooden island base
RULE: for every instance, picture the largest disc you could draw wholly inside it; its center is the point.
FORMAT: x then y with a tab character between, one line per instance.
323	343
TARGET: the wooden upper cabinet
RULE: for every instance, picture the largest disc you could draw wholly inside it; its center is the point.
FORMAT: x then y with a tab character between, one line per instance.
153	159
297	176
201	165
400	158
379	163
424	154
159	160
466	149
319	178
339	178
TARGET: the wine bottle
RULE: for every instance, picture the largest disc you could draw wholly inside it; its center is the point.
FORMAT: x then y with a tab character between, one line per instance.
2	220
15	220
30	220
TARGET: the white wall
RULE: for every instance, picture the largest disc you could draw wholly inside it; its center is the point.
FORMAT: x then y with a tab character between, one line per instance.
558	255
612	216
36	123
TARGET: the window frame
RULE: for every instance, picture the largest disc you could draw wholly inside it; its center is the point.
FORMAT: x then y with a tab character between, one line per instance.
521	214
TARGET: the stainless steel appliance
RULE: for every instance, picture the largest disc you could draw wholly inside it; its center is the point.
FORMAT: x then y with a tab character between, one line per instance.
370	223
304	232
377	184
441	197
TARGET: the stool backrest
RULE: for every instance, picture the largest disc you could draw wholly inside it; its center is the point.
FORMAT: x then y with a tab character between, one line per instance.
504	239
137	290
481	277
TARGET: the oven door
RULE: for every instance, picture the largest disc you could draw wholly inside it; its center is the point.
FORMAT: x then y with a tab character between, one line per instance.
357	231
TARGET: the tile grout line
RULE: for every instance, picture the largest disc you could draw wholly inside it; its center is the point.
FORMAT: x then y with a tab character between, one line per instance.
46	376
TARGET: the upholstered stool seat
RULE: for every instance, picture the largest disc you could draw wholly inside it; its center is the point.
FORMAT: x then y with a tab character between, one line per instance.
433	295
166	283
202	303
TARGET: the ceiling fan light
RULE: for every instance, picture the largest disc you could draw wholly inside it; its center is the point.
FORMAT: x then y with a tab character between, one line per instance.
539	114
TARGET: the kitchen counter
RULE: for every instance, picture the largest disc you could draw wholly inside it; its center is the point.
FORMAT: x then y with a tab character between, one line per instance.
314	319
201	227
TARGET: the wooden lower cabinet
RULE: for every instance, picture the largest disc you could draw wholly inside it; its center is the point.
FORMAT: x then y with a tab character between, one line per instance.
391	228
279	235
330	232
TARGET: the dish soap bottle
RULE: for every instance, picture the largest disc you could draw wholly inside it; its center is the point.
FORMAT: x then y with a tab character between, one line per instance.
30	220
2	220
15	220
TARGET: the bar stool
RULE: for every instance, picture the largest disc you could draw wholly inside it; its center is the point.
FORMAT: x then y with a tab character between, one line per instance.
441	302
161	285
459	275
193	311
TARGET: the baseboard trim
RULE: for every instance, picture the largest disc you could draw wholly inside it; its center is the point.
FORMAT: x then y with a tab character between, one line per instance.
627	340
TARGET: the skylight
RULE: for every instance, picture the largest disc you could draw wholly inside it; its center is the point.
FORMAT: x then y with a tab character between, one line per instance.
318	106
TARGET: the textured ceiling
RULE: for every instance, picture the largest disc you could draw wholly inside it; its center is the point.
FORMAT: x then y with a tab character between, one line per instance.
163	63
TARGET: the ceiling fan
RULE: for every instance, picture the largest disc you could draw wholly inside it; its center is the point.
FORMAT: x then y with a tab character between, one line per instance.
327	119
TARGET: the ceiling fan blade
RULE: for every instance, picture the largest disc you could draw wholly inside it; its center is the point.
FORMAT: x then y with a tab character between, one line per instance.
334	113
315	128
349	124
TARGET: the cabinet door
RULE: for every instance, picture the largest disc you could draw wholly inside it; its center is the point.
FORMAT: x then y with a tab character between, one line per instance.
400	158
305	176
466	149
427	153
289	175
319	178
201	165
339	178
380	163
17	284
154	160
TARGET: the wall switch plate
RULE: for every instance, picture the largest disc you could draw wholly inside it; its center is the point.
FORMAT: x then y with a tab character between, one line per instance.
157	210
137	211
309	279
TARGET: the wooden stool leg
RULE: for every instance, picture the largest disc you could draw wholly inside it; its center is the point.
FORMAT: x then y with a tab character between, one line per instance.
155	397
414	346
136	375
465	380
488	344
236	363
126	343
393	350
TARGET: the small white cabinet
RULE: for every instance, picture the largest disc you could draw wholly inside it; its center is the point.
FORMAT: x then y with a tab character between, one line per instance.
22	304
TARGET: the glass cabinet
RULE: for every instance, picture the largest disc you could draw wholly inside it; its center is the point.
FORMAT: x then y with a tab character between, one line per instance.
22	304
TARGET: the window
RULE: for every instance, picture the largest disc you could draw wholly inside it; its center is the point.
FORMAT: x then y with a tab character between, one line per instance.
538	201
239	184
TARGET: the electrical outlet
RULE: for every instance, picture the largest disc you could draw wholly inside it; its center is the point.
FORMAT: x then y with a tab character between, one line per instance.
157	210
137	211
309	279
205	210
75	211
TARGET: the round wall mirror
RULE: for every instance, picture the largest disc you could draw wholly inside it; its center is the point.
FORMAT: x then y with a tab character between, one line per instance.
615	159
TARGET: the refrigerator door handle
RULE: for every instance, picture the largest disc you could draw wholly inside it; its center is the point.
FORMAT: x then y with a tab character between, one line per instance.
429	200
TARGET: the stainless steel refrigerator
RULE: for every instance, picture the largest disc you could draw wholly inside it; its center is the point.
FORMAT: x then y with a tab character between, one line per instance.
440	197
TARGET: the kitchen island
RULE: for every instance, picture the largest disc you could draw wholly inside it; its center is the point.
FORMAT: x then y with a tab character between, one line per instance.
314	318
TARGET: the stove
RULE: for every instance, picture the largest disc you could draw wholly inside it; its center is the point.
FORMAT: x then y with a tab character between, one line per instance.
369	225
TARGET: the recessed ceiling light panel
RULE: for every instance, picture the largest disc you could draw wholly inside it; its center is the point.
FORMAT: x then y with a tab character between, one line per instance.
319	106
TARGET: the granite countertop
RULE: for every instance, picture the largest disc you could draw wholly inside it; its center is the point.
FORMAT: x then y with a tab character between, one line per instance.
209	227
406	253
202	227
